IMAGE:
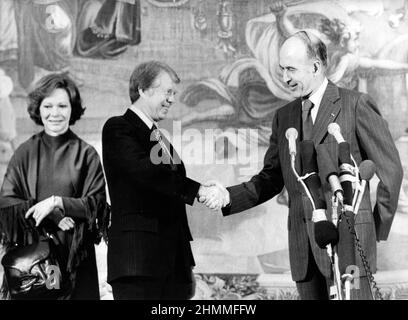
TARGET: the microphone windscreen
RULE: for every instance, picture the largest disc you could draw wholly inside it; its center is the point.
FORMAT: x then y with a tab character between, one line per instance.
326	165
333	128
309	165
344	153
291	133
345	173
367	169
325	233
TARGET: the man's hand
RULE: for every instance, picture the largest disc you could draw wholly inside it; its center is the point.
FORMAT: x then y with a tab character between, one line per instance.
66	223
214	195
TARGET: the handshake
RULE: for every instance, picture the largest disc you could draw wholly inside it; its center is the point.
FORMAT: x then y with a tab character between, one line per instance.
214	195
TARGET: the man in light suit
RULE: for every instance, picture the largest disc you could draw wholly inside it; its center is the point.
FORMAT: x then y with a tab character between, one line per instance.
149	253
303	61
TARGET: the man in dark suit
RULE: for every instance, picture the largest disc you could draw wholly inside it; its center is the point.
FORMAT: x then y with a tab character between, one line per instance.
303	61
149	253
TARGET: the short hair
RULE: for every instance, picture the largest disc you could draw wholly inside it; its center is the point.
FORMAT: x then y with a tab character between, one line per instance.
145	74
44	88
315	47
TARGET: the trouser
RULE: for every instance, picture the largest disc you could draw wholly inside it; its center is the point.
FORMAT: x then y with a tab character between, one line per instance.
178	285
316	286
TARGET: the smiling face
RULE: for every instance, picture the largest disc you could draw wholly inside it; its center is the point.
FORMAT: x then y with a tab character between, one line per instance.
160	96
55	112
298	70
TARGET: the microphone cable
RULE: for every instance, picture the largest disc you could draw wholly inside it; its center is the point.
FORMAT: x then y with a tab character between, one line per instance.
364	259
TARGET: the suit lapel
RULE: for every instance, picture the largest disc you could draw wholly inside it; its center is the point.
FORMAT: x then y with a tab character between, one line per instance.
148	140
329	109
143	131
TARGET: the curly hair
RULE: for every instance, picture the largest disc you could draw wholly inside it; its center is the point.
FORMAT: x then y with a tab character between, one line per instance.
44	88
337	31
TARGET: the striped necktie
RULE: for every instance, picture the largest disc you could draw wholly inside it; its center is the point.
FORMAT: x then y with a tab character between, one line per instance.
159	138
307	121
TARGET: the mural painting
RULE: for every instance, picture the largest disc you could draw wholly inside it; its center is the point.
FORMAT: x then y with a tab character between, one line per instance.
226	54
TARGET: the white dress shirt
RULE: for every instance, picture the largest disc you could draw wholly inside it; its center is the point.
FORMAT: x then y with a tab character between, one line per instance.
145	118
316	98
149	123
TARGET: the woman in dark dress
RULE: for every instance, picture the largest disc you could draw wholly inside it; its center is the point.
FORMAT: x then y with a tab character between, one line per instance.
63	176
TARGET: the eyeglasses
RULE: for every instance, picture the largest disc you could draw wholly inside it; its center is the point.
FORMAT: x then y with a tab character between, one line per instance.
169	93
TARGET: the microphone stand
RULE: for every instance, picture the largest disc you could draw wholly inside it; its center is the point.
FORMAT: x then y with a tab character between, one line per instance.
334	260
336	268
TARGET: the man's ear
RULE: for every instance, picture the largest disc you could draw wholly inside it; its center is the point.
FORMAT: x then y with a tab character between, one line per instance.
142	93
316	66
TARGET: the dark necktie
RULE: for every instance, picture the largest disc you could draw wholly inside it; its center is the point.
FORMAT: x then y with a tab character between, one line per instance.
307	122
159	138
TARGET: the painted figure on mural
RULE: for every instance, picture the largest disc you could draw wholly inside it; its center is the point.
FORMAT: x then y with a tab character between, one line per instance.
46	34
346	60
249	90
108	28
42	34
8	132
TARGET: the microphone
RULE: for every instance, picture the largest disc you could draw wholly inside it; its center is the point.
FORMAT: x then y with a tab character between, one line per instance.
291	135
334	129
346	172
325	231
346	247
328	171
367	170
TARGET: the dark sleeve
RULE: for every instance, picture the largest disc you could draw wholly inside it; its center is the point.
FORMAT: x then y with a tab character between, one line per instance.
55	216
124	153
93	195
263	186
14	203
376	141
12	184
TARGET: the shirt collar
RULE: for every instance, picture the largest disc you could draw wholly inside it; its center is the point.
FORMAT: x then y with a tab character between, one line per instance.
144	117
317	97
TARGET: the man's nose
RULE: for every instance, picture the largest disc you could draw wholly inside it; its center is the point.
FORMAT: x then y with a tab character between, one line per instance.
285	77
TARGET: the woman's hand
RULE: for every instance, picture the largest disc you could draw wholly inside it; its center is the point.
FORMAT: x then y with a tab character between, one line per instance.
41	210
66	223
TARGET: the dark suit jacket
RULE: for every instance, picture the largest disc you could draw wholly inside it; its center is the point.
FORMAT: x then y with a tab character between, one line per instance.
149	228
369	138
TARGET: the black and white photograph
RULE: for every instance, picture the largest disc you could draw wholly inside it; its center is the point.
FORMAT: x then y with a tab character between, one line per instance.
204	150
